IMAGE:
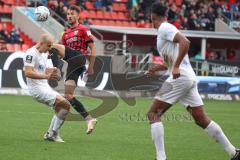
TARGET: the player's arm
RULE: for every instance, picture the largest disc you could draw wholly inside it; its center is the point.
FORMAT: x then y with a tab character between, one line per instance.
184	44
92	47
30	73
156	68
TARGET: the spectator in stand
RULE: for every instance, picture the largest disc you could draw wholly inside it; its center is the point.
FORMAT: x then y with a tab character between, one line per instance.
132	5
5	35
98	4
15	36
220	56
141	24
231	56
107	5
212	56
82	4
87	22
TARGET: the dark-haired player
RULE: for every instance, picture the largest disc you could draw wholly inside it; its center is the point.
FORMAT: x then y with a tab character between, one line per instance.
180	86
75	42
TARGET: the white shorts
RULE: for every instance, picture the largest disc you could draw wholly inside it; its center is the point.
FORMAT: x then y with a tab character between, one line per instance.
44	94
181	89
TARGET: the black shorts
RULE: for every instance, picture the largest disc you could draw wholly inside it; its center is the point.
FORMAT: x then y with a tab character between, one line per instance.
76	64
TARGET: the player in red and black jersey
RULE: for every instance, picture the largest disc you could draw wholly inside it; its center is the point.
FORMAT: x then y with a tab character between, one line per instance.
75	42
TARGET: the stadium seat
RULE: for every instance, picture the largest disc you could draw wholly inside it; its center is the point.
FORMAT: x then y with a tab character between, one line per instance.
107	15
6	9
118	23
133	24
121	16
10	47
25	47
105	23
97	22
100	14
125	24
89	5
17	47
92	14
111	23
122	7
114	15
115	6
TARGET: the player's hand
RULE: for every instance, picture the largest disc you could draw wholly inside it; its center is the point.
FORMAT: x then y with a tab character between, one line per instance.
151	71
90	71
56	75
176	72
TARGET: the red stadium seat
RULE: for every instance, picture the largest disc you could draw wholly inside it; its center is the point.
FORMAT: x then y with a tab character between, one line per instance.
10	47
17	47
115	6
114	15
105	23
100	14
92	14
133	24
97	22
121	16
111	23
6	9
89	5
107	15
118	23
25	47
122	7
125	24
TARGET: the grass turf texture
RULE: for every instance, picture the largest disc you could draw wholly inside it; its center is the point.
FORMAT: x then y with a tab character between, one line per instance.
120	134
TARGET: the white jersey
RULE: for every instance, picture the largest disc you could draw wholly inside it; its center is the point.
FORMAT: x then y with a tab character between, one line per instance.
39	61
169	50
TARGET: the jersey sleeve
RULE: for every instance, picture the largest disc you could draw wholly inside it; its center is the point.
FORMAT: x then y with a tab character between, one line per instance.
29	59
167	31
87	36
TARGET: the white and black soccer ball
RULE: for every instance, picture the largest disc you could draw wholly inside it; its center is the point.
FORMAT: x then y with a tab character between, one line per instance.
41	13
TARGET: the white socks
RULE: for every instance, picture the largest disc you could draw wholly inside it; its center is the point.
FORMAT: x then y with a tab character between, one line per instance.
57	124
215	131
157	131
52	123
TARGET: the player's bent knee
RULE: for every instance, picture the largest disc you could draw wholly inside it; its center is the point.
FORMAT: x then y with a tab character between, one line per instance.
153	117
63	104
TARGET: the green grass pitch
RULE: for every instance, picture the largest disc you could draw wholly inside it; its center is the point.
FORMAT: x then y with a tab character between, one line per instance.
119	135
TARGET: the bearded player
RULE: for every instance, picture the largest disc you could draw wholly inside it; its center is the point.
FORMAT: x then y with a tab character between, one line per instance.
75	42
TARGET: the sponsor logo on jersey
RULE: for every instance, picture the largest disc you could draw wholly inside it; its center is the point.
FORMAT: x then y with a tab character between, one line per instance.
29	59
76	32
89	33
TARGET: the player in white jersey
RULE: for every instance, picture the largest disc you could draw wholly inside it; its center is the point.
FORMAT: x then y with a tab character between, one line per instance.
180	86
37	73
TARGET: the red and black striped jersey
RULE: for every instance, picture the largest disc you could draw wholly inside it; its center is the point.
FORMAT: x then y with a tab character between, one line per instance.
77	38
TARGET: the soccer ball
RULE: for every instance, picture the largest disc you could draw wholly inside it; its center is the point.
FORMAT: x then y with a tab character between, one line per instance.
41	13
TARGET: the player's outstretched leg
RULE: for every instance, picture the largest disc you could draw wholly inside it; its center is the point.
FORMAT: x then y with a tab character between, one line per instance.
154	115
213	130
78	106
